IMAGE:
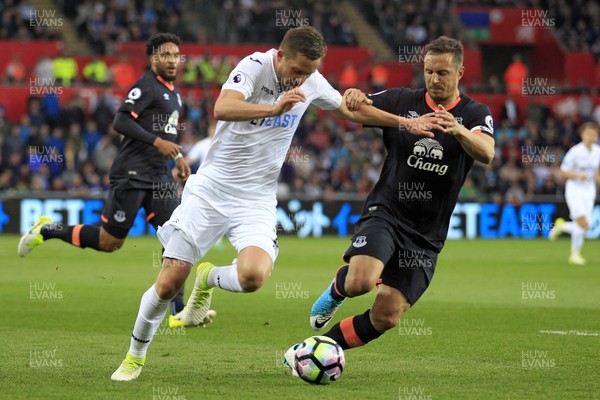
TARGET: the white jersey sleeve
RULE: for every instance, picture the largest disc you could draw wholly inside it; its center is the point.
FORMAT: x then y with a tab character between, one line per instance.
245	75
327	97
568	162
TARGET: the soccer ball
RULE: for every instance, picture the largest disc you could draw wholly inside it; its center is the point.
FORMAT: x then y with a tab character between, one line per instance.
319	360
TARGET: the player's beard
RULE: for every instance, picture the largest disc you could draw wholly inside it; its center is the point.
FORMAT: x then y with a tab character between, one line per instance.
162	72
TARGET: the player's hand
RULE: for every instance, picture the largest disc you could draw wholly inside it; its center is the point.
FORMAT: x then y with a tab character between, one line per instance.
183	169
166	148
354	98
288	100
447	121
422	126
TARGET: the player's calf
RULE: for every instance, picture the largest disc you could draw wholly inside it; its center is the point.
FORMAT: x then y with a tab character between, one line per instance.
171	277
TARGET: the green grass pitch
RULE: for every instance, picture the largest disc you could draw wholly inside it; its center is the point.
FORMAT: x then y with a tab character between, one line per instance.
481	331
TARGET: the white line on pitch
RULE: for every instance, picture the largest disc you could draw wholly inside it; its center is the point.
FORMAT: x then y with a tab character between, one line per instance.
572	333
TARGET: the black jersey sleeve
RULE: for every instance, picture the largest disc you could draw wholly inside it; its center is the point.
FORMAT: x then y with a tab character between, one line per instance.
481	120
139	98
387	100
126	126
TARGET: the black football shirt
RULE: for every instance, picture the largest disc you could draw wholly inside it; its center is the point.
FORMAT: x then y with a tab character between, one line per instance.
421	177
155	104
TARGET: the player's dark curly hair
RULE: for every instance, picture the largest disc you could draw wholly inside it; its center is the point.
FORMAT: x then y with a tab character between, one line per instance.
153	44
306	40
443	45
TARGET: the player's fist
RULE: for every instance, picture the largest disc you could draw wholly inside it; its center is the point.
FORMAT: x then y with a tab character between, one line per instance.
183	169
166	148
288	100
354	98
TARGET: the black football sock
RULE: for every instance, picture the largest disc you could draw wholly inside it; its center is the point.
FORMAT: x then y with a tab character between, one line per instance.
337	289
354	331
78	235
177	303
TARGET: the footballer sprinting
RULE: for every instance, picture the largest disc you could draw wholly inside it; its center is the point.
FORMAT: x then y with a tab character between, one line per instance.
581	169
234	191
140	176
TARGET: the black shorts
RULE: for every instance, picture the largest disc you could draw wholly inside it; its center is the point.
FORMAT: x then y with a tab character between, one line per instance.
127	196
408	266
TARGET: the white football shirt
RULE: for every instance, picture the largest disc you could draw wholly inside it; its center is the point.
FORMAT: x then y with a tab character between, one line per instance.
245	157
582	161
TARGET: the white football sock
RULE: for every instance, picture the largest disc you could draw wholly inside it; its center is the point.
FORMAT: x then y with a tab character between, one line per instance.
567	227
225	277
577	239
151	313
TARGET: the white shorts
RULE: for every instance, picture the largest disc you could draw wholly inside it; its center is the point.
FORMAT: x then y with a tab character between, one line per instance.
207	213
580	205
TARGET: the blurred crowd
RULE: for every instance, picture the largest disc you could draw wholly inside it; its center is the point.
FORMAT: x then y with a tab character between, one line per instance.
258	21
19	20
71	148
411	22
207	71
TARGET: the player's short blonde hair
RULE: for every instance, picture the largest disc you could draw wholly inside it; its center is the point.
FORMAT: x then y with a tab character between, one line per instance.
589	125
306	40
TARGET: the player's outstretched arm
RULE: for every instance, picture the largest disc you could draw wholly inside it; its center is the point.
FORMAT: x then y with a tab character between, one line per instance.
369	115
232	106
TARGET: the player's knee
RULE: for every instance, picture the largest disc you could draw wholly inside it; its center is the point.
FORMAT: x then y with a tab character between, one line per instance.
253	279
110	244
166	289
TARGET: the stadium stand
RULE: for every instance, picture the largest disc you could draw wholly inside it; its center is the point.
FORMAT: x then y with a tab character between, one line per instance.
327	156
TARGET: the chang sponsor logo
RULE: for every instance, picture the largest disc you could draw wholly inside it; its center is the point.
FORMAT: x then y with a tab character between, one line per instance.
424	151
